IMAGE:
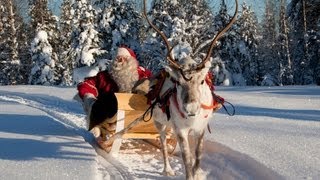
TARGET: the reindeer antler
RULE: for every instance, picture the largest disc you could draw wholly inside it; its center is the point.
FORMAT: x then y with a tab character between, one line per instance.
216	38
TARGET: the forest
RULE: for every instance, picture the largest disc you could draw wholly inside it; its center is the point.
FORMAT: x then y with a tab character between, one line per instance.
280	49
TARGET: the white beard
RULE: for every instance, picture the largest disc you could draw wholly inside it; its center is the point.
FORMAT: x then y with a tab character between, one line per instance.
125	74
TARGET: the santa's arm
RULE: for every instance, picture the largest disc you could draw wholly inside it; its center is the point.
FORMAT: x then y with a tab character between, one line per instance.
88	86
88	92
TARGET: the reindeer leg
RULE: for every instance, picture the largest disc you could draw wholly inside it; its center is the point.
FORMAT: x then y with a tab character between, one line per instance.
186	153
197	171
167	170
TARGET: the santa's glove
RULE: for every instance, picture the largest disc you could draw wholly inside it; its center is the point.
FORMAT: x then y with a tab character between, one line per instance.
88	100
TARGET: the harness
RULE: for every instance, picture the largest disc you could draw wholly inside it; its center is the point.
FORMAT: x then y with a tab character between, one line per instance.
163	101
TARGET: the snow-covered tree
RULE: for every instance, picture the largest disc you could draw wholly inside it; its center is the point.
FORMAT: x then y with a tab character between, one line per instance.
248	44
42	18
85	37
285	64
9	54
185	23
229	49
65	59
304	19
24	51
269	60
153	49
43	71
44	22
120	24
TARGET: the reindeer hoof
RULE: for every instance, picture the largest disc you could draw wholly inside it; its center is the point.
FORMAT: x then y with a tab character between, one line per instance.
200	174
168	172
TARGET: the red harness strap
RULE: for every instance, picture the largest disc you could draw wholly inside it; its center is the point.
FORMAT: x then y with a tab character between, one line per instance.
164	101
214	105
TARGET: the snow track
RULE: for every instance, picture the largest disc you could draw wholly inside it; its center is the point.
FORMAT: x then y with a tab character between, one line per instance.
109	167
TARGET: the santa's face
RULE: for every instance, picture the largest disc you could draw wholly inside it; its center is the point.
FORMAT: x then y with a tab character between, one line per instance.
124	72
120	62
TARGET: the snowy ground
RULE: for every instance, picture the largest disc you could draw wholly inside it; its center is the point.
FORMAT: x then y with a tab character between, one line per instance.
274	135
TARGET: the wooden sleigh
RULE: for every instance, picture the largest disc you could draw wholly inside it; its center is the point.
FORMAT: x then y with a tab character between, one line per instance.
131	124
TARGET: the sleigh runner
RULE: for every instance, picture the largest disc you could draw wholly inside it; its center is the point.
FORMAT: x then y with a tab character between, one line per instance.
132	122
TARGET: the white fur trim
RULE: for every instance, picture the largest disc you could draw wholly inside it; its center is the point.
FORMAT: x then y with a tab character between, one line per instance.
88	95
96	131
123	52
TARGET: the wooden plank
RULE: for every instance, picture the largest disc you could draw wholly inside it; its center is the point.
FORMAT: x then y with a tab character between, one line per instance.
146	127
142	136
129	102
134	106
120	125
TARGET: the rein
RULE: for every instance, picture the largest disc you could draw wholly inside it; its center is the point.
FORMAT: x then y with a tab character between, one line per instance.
221	101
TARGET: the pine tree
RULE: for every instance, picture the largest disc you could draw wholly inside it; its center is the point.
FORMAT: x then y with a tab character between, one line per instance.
9	44
41	17
228	50
42	72
248	45
85	37
187	26
43	22
65	58
285	63
154	49
120	24
24	51
268	62
303	16
3	58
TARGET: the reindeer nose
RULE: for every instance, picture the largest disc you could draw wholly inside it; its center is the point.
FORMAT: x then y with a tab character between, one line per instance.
192	109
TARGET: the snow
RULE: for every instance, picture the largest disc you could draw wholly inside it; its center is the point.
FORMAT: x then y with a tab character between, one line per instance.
274	135
42	36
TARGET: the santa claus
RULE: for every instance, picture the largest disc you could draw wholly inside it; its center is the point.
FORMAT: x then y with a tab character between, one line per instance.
97	93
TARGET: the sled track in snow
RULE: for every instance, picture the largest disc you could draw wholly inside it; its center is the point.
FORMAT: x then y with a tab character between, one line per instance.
113	168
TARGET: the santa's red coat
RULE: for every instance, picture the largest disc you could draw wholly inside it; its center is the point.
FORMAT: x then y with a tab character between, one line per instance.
103	82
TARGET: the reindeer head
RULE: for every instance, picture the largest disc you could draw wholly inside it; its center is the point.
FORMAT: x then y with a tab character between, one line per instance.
187	75
190	85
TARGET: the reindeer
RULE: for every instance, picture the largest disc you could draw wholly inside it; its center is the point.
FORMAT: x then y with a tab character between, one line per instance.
190	104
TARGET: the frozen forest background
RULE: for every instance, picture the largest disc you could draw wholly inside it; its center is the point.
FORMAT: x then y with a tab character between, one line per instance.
282	48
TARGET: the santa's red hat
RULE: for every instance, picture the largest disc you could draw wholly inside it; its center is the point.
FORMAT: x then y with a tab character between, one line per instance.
125	51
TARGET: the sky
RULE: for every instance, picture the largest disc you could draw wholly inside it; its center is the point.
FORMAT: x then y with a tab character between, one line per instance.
274	135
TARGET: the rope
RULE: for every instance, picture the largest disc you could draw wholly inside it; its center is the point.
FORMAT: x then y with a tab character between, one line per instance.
233	109
222	102
150	109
